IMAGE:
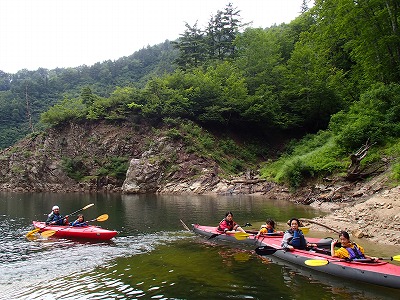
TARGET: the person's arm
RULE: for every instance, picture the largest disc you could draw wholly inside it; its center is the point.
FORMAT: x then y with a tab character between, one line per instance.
333	243
285	240
367	256
49	219
307	243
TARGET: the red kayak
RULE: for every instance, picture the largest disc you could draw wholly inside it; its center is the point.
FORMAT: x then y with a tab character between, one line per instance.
85	232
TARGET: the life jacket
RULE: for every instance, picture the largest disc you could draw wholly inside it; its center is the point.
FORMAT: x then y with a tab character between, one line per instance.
267	230
76	223
58	219
297	241
226	225
355	252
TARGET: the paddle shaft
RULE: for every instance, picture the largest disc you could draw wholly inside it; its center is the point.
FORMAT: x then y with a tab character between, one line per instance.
83	208
320	224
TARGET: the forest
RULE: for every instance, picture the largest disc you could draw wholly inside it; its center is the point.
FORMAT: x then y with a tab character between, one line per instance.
330	80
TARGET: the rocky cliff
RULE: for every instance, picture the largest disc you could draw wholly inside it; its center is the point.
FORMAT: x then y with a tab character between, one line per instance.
156	163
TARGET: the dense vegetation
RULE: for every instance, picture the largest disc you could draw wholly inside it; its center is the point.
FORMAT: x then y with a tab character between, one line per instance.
331	75
26	94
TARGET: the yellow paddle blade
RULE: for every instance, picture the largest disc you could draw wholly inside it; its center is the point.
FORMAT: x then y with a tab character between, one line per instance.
316	262
32	232
305	229
102	218
396	257
241	235
48	233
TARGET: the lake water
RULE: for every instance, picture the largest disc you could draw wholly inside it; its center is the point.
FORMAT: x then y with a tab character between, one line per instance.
153	257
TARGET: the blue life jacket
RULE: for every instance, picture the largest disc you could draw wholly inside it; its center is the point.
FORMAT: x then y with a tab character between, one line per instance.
58	219
76	223
355	253
298	241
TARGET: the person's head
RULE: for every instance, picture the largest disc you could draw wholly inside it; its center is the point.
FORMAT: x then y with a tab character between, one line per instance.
55	209
270	224
81	218
344	238
229	215
294	223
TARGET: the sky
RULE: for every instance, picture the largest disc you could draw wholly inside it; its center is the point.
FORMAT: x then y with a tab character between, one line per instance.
69	33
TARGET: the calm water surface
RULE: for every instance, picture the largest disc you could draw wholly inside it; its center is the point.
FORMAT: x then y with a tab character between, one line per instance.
153	257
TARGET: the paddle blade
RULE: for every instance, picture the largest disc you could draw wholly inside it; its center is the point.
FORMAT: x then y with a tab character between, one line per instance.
48	233
396	258
305	229
32	232
316	262
266	250
214	235
241	235
87	206
102	218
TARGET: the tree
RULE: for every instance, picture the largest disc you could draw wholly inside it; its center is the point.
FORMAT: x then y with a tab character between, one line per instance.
192	48
222	31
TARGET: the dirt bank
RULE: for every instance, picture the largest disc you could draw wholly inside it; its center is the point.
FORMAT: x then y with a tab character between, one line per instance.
376	218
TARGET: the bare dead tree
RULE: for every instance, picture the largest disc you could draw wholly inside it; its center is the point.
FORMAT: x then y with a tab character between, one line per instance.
355	171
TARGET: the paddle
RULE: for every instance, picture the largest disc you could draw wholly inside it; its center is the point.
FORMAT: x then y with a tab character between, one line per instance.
71	214
241	235
87	206
49	233
267	250
184	225
320	224
305	229
32	232
324	262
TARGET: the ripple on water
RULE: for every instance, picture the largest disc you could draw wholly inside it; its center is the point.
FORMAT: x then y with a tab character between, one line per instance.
49	266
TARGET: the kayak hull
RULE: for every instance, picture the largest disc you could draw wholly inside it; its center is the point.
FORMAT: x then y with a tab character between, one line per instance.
379	273
213	234
85	232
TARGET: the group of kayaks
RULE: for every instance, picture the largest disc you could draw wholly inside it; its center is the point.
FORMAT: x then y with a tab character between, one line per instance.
375	272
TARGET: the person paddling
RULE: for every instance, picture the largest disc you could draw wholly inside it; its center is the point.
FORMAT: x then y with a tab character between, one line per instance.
293	238
348	250
79	222
54	218
227	225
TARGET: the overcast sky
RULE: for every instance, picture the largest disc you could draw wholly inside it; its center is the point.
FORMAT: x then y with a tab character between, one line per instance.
70	33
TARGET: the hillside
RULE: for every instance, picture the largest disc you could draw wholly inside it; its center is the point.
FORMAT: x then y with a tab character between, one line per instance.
150	161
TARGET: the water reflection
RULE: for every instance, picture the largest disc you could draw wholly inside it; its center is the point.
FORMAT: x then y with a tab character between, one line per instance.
153	256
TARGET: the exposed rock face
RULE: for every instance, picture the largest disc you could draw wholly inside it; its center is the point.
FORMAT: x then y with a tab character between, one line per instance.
157	163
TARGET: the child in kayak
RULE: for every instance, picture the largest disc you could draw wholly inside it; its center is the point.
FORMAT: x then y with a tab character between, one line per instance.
227	225
348	249
79	222
293	238
267	228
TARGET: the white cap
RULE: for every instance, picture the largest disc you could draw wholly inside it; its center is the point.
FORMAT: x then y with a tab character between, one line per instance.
55	207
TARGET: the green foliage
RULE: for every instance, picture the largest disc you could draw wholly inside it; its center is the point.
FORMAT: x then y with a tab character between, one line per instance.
313	156
74	168
375	118
230	157
114	167
66	110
